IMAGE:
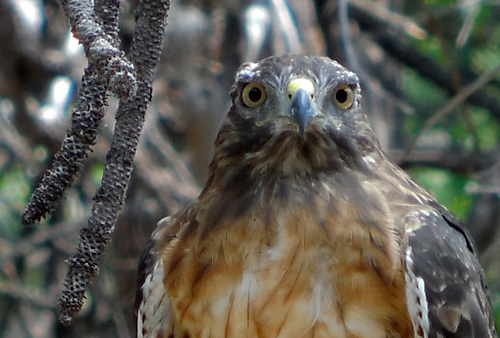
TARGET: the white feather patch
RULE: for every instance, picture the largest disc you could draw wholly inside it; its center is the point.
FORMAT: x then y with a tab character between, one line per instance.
153	315
416	299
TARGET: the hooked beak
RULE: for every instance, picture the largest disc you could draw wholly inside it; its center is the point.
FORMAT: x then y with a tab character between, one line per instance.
301	93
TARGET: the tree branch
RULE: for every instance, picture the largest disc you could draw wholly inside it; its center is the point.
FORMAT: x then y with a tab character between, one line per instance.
145	53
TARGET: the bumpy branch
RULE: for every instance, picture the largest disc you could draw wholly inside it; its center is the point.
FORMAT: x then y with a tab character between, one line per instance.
96	26
68	162
108	69
145	53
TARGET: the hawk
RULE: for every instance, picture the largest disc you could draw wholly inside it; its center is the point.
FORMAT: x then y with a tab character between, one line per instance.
305	228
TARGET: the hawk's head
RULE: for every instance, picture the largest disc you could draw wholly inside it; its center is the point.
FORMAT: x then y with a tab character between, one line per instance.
295	115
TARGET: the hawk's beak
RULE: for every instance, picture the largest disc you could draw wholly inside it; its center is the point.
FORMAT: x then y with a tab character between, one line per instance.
301	92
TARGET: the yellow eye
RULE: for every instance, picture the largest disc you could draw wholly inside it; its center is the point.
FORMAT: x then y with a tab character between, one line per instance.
343	96
253	95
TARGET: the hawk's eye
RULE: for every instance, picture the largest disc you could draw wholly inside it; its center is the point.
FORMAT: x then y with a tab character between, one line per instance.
253	95
343	96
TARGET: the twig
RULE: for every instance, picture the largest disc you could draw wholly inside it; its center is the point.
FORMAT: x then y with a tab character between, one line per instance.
451	105
289	27
403	52
393	19
16	290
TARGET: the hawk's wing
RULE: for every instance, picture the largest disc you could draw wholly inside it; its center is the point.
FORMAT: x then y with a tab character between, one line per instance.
447	295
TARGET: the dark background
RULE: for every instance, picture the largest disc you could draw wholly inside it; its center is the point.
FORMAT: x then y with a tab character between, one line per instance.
417	61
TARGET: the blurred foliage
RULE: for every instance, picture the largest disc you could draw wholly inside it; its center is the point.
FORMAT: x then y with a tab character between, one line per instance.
15	190
456	158
447	187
